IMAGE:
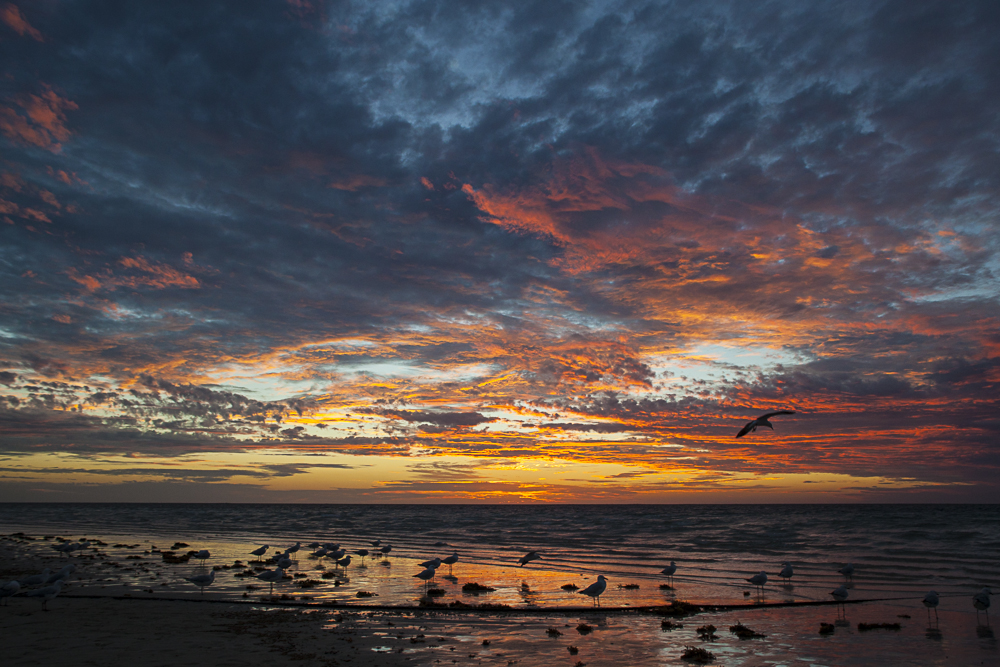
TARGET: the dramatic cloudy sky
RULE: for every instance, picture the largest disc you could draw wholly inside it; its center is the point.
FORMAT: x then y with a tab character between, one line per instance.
295	250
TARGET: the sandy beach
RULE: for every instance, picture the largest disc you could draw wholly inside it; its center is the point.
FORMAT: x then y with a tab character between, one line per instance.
162	632
112	612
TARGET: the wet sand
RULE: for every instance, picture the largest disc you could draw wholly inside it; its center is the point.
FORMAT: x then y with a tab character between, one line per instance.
100	621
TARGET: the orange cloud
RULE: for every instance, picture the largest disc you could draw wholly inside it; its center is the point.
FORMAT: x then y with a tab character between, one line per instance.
153	274
41	120
11	15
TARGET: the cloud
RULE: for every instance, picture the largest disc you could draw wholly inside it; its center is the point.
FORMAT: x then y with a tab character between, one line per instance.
11	15
37	120
607	235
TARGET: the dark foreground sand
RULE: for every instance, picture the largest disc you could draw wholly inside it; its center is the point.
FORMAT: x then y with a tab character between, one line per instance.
155	632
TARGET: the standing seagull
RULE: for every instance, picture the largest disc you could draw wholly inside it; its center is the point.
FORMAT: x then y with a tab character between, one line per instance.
47	593
426	575
343	563
202	555
595	589
259	552
762	421
840	594
294	550
530	556
385	550
848	571
981	601
669	571
202	580
931	601
758	580
433	563
786	571
451	560
363	553
271	576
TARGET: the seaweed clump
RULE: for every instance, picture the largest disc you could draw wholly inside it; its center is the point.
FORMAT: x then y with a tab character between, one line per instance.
865	627
707	633
670	625
584	629
743	632
569	587
553	632
826	628
473	587
698	655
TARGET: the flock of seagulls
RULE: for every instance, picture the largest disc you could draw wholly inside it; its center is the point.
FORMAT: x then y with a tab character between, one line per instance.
47	585
51	585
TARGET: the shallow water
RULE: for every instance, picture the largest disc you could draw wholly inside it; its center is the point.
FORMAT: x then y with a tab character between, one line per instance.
896	549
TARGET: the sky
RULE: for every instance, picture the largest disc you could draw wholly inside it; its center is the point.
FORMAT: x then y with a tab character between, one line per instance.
505	252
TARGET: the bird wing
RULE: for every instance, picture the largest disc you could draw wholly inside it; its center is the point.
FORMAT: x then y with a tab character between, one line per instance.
779	412
746	429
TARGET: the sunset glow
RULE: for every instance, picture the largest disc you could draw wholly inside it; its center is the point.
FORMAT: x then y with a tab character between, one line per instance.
423	253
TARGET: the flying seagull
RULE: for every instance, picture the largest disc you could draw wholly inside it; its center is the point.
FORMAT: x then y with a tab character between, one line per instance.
762	421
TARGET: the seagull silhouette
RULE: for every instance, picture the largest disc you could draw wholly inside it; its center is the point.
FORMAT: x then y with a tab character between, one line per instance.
762	421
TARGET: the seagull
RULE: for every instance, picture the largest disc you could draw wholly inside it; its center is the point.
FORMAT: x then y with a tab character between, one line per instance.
313	545
847	571
669	570
786	572
530	556
451	560
931	601
202	580
259	552
271	576
376	543
47	593
294	549
433	563
344	562
385	550
840	594
595	589
758	580
37	579
9	589
202	555
426	575
283	561
762	421
320	553
981	601
363	553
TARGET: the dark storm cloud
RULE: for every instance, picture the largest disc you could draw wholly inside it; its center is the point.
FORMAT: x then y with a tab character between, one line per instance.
551	194
426	417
